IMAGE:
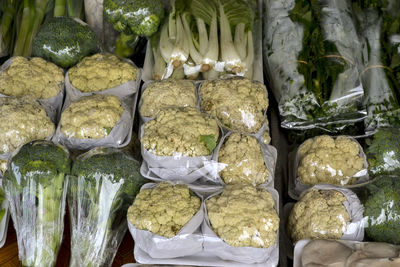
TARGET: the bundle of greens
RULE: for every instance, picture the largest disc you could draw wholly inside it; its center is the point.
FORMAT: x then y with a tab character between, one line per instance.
103	184
36	188
313	52
211	37
379	21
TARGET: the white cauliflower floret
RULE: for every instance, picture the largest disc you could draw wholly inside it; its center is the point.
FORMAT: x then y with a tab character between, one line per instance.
320	214
183	131
100	72
35	77
91	117
164	209
326	160
22	121
238	103
244	216
167	93
244	160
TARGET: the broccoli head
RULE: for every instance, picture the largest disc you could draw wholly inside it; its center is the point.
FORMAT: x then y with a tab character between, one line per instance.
141	17
64	41
382	210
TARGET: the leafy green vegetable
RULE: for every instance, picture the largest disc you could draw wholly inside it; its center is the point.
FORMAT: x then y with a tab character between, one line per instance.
8	13
103	185
382	210
2	198
36	186
64	41
209	141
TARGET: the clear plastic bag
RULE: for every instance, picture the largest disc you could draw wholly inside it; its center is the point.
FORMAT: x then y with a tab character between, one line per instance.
103	183
239	104
241	224
313	67
36	187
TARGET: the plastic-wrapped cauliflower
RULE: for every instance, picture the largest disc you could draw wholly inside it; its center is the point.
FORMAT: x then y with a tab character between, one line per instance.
244	216
320	214
100	72
167	93
3	166
323	159
22	120
243	159
91	117
183	131
238	103
31	77
163	209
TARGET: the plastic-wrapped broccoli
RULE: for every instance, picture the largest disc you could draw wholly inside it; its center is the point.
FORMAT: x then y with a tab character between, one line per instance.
36	188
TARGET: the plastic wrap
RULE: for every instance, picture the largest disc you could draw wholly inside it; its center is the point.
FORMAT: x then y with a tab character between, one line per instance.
87	121
313	67
4	215
243	241
36	187
22	120
244	159
324	159
103	78
238	103
344	253
181	136
38	82
103	183
325	212
178	222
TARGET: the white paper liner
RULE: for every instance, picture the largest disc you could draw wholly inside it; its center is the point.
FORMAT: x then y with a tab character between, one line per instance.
188	241
126	89
119	136
296	187
269	153
51	105
247	255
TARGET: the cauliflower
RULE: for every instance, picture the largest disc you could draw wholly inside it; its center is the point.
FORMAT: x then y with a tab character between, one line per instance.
91	117
237	102
244	216
244	160
3	166
22	121
167	93
35	77
164	209
100	72
320	214
183	131
332	161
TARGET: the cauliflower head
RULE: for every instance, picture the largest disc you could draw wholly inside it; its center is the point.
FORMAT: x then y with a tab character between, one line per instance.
243	159
100	72
320	214
164	209
183	131
167	93
91	117
237	102
323	159
22	121
36	78
244	216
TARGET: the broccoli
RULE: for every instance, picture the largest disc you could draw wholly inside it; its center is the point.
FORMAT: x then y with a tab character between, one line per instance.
103	184
382	210
383	152
64	41
36	186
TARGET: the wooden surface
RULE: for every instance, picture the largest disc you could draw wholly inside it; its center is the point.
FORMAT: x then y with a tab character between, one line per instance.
9	252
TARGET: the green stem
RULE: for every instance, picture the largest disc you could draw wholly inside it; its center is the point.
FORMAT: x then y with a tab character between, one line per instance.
59	8
75	8
28	15
5	28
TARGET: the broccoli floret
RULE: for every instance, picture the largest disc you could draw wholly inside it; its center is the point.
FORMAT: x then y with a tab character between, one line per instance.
103	185
382	210
141	17
34	184
64	41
